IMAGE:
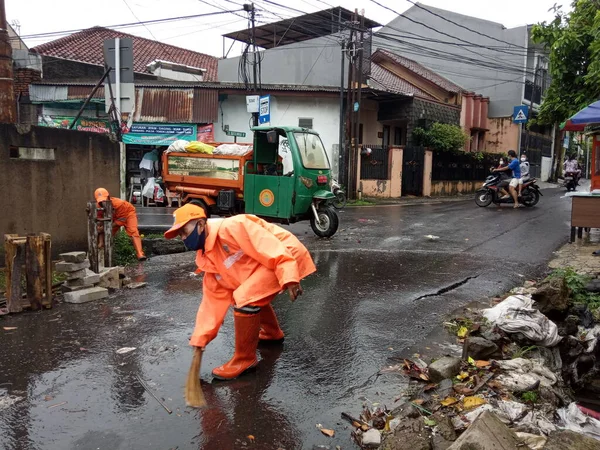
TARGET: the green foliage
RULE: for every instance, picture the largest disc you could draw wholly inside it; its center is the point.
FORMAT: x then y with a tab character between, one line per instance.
522	351
441	137
362	202
576	283
572	40
123	251
529	397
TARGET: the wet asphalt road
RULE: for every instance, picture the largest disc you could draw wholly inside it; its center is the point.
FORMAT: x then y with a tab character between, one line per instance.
63	386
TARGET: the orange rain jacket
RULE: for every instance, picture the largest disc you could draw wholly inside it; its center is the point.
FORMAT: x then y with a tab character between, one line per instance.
246	261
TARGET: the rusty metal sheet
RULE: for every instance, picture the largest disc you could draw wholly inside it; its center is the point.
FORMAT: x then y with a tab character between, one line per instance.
206	106
76	92
164	105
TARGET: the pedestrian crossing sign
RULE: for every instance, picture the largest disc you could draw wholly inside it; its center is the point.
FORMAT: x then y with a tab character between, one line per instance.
521	114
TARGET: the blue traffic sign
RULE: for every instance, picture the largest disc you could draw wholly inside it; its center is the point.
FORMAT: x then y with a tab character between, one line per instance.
264	110
521	114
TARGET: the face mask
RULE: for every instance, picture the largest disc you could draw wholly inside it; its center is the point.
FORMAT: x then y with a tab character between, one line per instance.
523	159
501	162
195	241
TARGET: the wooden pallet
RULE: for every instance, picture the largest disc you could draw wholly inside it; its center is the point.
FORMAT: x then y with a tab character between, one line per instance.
28	257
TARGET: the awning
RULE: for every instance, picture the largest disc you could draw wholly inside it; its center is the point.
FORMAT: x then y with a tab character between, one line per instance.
568	125
589	114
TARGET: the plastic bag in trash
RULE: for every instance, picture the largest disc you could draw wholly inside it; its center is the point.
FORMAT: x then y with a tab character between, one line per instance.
177	146
148	190
199	147
520	373
232	149
573	419
517	315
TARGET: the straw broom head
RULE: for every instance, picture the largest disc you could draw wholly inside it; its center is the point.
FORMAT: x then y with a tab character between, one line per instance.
194	396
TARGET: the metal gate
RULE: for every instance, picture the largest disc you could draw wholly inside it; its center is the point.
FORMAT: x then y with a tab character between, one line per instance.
534	157
412	171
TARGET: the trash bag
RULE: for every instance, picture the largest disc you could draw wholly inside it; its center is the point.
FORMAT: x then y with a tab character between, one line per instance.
232	149
148	190
516	314
199	147
520	373
159	194
574	419
177	146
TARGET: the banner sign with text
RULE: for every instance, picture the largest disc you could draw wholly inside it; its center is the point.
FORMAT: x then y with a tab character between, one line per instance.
82	124
159	133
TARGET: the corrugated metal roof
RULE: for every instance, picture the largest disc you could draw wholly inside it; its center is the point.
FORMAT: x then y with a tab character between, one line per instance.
206	105
39	93
163	105
82	92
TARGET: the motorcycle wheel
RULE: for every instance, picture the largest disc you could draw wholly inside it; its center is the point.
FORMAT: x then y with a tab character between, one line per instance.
340	200
483	199
531	198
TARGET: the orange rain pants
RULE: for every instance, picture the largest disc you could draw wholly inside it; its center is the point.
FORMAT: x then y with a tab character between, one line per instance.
124	216
246	261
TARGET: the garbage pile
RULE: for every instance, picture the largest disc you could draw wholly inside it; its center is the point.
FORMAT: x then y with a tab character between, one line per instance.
523	361
82	285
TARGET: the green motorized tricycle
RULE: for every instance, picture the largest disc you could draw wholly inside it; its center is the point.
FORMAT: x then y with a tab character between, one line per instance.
286	177
299	186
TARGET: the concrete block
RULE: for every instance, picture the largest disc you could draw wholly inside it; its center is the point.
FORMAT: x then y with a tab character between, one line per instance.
565	439
72	267
89	279
86	295
446	367
487	432
109	278
67	288
371	438
73	257
77	274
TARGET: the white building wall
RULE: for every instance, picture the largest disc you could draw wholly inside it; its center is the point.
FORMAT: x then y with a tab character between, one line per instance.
546	168
285	111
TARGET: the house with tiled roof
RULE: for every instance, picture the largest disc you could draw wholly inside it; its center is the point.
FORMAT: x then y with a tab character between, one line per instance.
396	73
80	56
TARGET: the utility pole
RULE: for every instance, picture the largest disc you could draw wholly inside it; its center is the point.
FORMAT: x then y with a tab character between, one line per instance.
249	8
342	147
8	109
349	147
359	102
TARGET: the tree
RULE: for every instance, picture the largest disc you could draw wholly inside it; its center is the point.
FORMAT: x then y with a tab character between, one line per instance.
573	42
441	137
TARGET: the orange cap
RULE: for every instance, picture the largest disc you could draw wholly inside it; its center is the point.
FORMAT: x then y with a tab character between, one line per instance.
101	195
182	216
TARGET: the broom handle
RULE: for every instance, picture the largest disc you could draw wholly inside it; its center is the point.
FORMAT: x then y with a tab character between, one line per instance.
194	396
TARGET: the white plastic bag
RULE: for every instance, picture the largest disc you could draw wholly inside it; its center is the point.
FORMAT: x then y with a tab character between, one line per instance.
573	419
516	314
148	190
177	146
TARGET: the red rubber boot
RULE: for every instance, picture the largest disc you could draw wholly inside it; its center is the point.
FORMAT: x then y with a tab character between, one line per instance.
269	326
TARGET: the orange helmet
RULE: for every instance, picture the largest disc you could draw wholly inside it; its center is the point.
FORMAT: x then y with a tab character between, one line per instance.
101	195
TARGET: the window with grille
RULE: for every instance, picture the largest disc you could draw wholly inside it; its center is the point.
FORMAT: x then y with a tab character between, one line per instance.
305	122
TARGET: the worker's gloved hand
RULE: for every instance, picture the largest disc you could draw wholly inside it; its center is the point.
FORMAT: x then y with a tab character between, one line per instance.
295	290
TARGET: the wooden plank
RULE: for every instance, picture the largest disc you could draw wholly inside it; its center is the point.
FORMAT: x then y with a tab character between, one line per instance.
108	237
34	261
585	212
47	269
13	278
93	236
10	251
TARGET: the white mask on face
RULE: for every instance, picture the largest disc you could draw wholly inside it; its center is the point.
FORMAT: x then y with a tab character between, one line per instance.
501	161
523	159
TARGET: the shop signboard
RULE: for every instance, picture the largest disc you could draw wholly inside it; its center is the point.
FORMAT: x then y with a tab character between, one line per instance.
159	133
83	123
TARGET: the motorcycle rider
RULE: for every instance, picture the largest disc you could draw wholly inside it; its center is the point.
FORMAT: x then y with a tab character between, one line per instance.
524	172
515	167
504	179
571	165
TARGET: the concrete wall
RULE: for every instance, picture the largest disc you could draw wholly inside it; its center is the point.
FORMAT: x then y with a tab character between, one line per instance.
462	64
503	135
450	188
371	127
316	62
286	110
51	195
546	168
390	188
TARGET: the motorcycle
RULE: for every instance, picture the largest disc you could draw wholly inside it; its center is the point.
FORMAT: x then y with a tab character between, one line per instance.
490	192
570	181
340	196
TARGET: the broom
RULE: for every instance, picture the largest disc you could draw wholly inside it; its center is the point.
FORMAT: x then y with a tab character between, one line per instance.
194	396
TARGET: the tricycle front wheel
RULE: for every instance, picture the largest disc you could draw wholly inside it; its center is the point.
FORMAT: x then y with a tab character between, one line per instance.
327	223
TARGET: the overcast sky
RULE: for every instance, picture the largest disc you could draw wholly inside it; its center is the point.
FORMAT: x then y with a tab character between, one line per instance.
204	34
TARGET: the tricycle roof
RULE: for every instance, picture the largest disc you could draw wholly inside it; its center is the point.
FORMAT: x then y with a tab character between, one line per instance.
287	129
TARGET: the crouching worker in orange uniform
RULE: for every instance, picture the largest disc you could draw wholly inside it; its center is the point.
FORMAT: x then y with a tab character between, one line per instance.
247	262
123	216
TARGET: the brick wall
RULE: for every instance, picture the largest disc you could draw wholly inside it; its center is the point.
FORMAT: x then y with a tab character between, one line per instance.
23	78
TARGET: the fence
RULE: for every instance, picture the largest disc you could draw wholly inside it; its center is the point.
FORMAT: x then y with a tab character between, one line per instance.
449	166
376	165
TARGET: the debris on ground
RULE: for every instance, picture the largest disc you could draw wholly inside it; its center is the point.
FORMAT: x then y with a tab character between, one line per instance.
124	350
524	359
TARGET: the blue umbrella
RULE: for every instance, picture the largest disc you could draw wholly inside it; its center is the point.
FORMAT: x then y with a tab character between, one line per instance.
589	114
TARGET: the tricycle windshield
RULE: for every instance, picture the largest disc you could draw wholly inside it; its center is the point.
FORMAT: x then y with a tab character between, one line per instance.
311	151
